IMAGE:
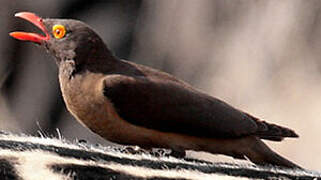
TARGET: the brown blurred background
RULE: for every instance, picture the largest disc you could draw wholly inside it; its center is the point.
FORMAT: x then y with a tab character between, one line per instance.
260	56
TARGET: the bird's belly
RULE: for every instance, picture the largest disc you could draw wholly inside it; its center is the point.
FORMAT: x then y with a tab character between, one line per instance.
99	117
85	101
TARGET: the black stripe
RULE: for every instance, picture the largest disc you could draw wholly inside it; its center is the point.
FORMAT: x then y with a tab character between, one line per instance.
94	156
7	170
81	172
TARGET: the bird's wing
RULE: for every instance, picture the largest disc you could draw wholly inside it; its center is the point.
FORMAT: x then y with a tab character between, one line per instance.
170	106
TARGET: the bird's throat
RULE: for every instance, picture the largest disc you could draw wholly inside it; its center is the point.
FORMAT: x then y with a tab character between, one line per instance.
67	69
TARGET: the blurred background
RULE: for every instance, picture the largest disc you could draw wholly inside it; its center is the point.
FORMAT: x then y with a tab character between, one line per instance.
260	56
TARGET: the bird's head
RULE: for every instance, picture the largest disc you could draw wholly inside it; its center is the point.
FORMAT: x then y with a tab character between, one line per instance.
65	39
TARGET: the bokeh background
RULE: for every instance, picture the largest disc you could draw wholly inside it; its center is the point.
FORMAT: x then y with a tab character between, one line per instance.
261	56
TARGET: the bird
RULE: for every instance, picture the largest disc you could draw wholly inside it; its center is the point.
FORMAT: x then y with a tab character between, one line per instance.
132	104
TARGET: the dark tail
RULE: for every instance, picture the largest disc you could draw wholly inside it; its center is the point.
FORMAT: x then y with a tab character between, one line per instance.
272	131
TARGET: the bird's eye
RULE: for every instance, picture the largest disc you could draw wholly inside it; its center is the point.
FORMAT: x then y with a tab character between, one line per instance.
58	31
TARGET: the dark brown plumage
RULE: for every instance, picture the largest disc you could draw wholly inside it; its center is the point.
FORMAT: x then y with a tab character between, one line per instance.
129	103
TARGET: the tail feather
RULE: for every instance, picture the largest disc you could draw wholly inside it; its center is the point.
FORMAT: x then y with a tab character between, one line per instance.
271	138
272	131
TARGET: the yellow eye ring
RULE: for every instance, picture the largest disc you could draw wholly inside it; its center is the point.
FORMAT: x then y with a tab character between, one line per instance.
58	31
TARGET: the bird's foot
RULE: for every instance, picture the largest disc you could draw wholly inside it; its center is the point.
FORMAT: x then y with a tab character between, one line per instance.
133	150
157	152
178	154
151	151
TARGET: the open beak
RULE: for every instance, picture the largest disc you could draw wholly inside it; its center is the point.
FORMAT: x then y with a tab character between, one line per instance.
33	37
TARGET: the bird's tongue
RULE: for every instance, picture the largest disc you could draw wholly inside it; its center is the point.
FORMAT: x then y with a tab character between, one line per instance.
33	37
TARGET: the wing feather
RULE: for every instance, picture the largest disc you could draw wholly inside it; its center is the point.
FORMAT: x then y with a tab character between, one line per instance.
171	106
